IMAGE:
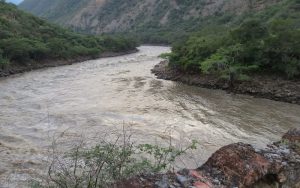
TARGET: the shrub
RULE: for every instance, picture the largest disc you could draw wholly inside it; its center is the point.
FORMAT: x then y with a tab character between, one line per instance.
108	162
188	55
4	63
166	56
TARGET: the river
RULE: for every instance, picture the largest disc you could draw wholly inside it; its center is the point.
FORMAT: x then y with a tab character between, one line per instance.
82	99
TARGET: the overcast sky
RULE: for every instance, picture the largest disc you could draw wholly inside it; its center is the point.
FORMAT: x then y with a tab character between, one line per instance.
14	1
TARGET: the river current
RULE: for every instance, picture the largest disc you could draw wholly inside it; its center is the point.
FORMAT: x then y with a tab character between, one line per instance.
84	99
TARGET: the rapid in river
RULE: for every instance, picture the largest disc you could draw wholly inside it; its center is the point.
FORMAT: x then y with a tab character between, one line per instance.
82	99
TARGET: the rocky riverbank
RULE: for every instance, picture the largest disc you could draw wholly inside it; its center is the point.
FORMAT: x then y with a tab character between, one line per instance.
269	87
19	68
236	165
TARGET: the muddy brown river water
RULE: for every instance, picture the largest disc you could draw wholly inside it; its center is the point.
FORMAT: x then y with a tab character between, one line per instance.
89	97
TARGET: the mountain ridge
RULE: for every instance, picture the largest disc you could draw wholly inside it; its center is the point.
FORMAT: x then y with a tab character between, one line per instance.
147	16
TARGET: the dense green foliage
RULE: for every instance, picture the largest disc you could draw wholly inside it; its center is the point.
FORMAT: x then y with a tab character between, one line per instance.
26	39
261	44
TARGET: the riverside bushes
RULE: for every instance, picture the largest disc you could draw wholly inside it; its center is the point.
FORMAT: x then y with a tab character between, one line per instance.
264	42
25	39
115	158
253	47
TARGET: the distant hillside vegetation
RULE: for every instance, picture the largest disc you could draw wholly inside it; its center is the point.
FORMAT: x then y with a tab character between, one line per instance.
267	42
152	20
26	41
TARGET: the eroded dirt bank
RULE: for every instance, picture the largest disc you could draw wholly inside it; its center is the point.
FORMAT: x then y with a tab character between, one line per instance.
261	86
236	165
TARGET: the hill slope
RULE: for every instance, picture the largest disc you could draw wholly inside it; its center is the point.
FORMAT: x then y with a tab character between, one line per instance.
260	56
143	17
26	41
267	41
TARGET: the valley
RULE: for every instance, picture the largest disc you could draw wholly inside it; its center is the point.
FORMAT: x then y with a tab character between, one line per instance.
150	93
93	98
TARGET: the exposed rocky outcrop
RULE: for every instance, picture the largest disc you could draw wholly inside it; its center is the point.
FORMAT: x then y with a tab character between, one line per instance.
237	165
105	16
265	86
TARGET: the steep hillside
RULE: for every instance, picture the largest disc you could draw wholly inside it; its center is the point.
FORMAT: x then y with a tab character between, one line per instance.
150	17
258	44
26	41
260	56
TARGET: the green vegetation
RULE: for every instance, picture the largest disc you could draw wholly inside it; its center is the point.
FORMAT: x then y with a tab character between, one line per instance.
25	39
110	161
264	43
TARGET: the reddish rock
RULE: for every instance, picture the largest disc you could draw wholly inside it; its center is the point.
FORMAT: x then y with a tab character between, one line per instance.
237	165
240	165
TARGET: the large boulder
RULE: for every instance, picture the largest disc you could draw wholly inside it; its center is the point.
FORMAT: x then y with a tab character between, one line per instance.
240	165
237	165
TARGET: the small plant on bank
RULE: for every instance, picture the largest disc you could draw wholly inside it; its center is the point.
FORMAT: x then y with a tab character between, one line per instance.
165	56
108	162
163	157
4	63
